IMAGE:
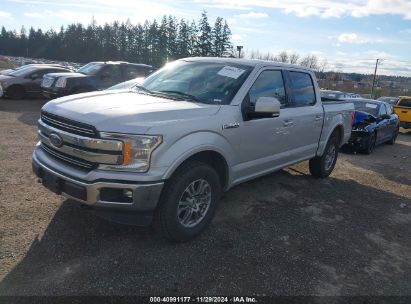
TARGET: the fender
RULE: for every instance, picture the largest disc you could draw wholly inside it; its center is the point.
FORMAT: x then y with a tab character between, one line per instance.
175	154
329	127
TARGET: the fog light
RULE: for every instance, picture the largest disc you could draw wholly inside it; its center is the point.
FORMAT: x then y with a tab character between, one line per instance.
128	193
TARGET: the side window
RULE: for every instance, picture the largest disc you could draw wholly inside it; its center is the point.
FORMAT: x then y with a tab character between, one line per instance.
303	89
111	72
389	109
383	110
131	72
40	74
268	84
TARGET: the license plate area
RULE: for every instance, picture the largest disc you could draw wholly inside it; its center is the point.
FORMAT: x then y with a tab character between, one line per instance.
51	182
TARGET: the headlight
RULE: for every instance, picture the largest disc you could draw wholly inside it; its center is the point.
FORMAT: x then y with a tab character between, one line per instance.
137	150
61	82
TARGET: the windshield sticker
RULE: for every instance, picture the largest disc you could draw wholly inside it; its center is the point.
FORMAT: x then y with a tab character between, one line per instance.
371	105
231	72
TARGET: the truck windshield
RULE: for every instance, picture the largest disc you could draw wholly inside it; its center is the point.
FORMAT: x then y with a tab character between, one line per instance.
205	82
90	68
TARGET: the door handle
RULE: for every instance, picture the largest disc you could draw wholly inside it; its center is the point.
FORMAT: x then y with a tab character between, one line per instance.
317	118
288	123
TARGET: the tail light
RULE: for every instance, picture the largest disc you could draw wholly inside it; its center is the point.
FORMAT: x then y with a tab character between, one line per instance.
352	118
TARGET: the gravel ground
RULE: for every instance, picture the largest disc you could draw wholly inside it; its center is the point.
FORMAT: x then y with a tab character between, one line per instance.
283	234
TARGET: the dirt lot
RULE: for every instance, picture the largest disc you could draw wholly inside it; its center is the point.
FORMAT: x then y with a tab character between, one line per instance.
284	234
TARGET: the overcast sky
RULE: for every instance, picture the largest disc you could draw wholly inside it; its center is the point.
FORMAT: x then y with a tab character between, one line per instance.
350	34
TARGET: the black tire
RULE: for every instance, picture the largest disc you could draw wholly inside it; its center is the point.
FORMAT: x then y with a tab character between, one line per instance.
370	144
394	136
16	92
322	166
166	217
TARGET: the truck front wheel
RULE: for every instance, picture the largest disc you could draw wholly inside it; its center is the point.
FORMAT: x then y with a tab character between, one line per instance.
188	202
322	166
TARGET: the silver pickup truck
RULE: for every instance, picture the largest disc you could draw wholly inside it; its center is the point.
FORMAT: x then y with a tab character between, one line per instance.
164	151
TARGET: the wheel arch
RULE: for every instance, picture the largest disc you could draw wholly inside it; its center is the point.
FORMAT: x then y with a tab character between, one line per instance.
336	129
14	86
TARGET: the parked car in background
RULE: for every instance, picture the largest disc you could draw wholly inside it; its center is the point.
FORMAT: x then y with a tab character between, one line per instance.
193	129
8	71
353	95
129	84
391	100
403	110
374	123
329	95
26	81
91	77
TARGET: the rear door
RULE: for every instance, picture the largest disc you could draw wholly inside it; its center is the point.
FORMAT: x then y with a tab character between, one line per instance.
305	116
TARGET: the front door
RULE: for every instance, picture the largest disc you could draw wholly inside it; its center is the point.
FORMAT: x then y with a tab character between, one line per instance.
263	141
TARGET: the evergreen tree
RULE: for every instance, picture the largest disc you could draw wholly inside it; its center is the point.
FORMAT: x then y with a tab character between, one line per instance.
205	36
150	43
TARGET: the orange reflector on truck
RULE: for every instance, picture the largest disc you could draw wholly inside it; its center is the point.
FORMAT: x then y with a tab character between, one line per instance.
127	153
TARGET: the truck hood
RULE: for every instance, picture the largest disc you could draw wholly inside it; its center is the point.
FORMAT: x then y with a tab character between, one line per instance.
126	111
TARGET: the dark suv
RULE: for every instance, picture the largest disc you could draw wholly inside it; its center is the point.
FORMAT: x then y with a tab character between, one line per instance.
91	77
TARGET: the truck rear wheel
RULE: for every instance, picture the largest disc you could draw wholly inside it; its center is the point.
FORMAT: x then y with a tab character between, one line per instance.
188	202
322	166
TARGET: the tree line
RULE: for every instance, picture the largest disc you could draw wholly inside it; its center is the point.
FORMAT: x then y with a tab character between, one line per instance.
309	61
152	42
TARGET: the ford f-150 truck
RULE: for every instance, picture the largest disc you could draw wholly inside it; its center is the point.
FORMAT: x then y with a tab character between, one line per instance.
164	151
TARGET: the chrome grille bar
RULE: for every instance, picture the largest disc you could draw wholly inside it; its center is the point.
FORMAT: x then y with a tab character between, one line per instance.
68	125
67	159
81	141
89	156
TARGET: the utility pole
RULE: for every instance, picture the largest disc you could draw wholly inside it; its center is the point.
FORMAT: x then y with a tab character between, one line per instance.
373	80
239	48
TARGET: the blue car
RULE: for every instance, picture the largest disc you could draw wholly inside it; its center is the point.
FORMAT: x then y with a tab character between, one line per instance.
374	123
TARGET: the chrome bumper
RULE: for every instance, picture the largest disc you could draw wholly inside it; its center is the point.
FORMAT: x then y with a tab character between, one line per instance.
142	196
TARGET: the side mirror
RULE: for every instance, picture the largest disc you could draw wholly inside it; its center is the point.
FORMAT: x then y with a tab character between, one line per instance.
385	116
267	107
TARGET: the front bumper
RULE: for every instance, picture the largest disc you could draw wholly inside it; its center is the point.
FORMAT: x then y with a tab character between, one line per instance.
405	125
51	93
120	201
359	139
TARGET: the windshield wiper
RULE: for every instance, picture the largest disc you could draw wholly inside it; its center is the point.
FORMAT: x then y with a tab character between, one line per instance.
141	88
189	96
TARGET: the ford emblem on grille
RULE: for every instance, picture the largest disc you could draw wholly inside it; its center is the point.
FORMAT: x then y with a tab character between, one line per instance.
56	140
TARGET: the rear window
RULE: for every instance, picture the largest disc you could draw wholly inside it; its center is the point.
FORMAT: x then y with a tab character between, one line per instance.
405	103
303	89
367	107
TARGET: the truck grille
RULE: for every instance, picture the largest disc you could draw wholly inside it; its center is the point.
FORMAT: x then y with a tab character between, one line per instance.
77	144
69	125
82	164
